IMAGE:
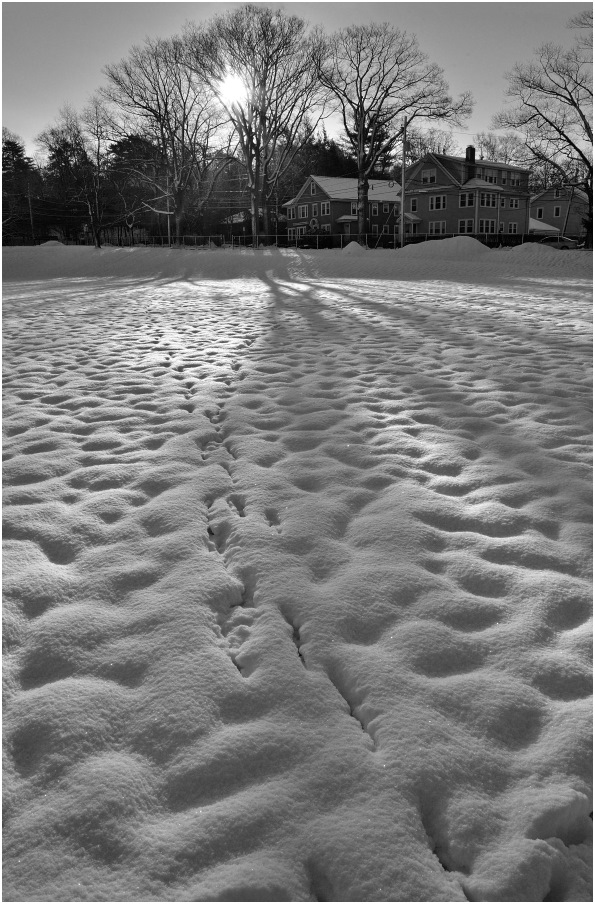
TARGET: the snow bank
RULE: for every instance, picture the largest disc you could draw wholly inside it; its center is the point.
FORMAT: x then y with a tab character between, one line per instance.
354	248
297	576
459	248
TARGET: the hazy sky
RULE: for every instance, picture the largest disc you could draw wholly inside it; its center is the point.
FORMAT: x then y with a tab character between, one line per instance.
53	53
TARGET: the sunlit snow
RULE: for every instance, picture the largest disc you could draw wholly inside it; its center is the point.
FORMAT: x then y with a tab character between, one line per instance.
297	574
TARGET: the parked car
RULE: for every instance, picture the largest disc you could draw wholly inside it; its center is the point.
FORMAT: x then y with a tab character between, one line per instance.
559	241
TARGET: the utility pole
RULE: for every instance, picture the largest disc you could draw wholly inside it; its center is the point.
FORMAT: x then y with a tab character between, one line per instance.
30	212
403	183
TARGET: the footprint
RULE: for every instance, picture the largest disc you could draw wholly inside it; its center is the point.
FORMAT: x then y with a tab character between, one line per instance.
273	518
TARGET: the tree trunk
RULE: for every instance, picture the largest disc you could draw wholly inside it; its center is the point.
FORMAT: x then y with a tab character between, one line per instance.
254	191
362	207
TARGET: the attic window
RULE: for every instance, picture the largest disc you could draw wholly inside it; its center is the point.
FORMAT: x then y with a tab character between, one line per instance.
312	188
428	176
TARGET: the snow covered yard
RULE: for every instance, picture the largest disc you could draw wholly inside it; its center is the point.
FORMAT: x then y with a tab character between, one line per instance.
296	574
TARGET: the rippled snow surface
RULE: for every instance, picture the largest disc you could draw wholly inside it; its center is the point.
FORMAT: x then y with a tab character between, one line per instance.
296	575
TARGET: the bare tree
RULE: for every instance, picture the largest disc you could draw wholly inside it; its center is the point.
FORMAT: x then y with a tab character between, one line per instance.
428	141
77	152
553	102
261	64
378	75
163	101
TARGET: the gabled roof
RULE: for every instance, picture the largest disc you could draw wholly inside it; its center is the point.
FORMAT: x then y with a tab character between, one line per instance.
479	161
455	169
578	194
340	188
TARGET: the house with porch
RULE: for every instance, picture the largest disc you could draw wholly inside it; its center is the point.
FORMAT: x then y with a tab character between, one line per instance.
562	209
328	205
462	195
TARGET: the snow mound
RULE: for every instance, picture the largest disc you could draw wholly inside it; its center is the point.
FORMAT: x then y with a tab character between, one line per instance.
460	248
354	248
53	243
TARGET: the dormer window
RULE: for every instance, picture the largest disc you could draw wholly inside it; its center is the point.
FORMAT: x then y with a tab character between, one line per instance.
428	176
312	188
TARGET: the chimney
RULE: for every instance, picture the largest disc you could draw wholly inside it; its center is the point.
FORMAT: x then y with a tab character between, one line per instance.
470	162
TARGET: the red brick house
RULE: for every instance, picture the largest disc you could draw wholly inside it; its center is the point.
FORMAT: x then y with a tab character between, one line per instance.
563	209
328	204
459	195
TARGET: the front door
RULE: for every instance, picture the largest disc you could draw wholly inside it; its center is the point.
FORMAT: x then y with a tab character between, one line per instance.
347	229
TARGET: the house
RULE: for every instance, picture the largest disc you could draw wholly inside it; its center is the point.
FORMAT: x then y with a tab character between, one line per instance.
561	209
328	204
460	195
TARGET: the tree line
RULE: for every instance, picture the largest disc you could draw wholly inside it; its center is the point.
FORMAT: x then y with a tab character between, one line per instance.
230	115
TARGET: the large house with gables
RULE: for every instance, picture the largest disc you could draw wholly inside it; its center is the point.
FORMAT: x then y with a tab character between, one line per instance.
444	195
328	204
561	209
460	196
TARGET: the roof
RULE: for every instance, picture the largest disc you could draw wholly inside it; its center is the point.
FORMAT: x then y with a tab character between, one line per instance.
481	183
577	195
479	161
341	188
540	226
456	169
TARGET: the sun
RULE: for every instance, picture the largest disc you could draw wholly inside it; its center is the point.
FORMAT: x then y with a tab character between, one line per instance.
232	90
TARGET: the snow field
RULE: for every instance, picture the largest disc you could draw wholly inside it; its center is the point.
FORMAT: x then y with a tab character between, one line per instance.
297	588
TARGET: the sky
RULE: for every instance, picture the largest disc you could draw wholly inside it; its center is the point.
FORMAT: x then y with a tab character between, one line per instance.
54	53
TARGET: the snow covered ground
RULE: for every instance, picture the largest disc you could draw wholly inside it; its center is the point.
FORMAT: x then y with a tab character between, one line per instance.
296	574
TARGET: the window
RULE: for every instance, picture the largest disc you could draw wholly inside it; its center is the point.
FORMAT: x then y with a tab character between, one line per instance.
291	213
325	208
466	199
513	202
412	205
539	213
501	227
301	230
375	209
503	177
374	229
512	228
303	212
437	227
465	226
315	210
428	176
556	193
437	202
312	188
386	207
487	199
515	178
290	233
326	227
385	229
502	201
487	225
557	211
491	176
354	208
397	228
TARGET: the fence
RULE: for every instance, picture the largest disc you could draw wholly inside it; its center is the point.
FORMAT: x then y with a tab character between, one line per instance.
307	242
340	240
